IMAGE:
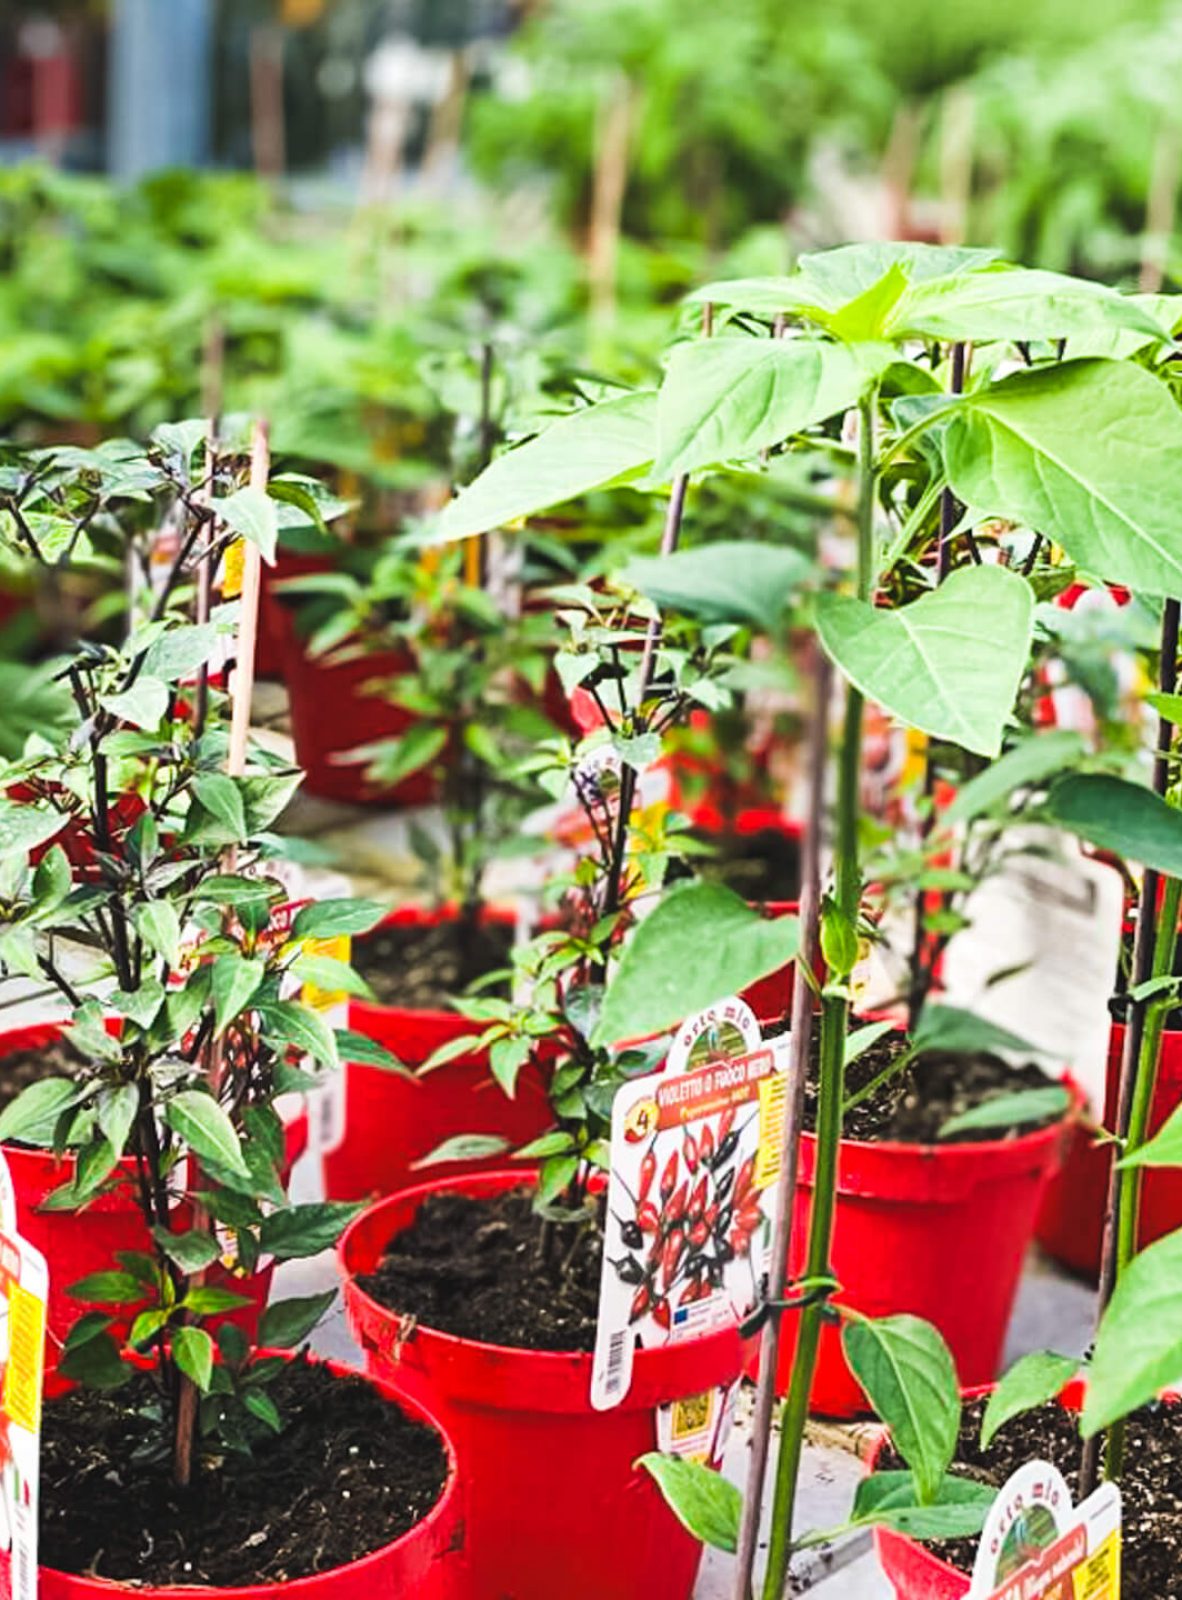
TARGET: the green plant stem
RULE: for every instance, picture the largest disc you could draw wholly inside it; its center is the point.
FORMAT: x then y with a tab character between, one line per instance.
834	1026
1131	1178
833	1030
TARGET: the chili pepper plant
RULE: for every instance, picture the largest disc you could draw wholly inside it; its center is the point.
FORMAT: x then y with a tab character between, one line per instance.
135	884
931	619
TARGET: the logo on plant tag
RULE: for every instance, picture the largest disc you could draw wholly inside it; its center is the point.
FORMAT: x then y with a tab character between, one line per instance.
1037	1546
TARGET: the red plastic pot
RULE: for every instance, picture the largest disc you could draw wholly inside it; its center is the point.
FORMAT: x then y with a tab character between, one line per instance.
329	712
392	1122
76	1244
553	1503
420	1565
1070	1223
936	1230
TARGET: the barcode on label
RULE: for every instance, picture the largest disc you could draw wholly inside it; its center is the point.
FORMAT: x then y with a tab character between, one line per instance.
24	1588
615	1362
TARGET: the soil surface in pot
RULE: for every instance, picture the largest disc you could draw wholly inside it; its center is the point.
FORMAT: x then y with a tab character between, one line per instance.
21	1068
485	1270
348	1474
1151	1485
423	967
912	1106
759	866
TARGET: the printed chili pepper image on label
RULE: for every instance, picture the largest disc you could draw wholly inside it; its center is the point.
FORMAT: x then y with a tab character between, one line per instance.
688	1203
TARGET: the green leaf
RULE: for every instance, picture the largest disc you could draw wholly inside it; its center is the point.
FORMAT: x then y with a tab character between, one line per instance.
908	1373
726	399
506	1057
159	926
298	1025
1009	1111
727	581
192	1350
140	1005
1015	303
392	760
96	1363
547	1144
1126	818
706	1504
261	1405
554	1179
143	705
253	514
1026	766
352	1046
1029	1383
191	1251
583	451
959	1032
35	1111
950	663
235	981
220	796
662	977
328	919
1139	1342
827	281
24	827
888	1500
201	1122
181	651
1163	1150
211	1300
1106	492
107	1289
117	1108
305	1230
287	1323
464	1147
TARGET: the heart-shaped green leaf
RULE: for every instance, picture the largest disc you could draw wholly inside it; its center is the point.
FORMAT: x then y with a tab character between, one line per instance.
701	944
1088	453
949	664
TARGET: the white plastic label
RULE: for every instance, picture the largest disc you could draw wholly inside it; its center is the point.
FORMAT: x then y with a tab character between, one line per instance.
691	1192
1037	1546
1040	954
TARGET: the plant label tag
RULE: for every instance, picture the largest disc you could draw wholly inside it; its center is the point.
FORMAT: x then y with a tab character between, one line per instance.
24	1291
1037	1546
1040	954
698	1427
690	1197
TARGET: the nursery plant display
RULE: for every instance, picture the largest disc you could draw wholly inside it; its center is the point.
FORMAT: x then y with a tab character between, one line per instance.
137	885
1001	448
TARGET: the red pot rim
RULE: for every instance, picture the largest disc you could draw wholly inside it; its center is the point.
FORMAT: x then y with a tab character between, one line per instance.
267	1591
546	1380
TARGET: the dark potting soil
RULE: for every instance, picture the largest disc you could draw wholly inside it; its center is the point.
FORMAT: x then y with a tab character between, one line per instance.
21	1068
914	1105
481	1269
348	1474
422	967
1151	1485
758	866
